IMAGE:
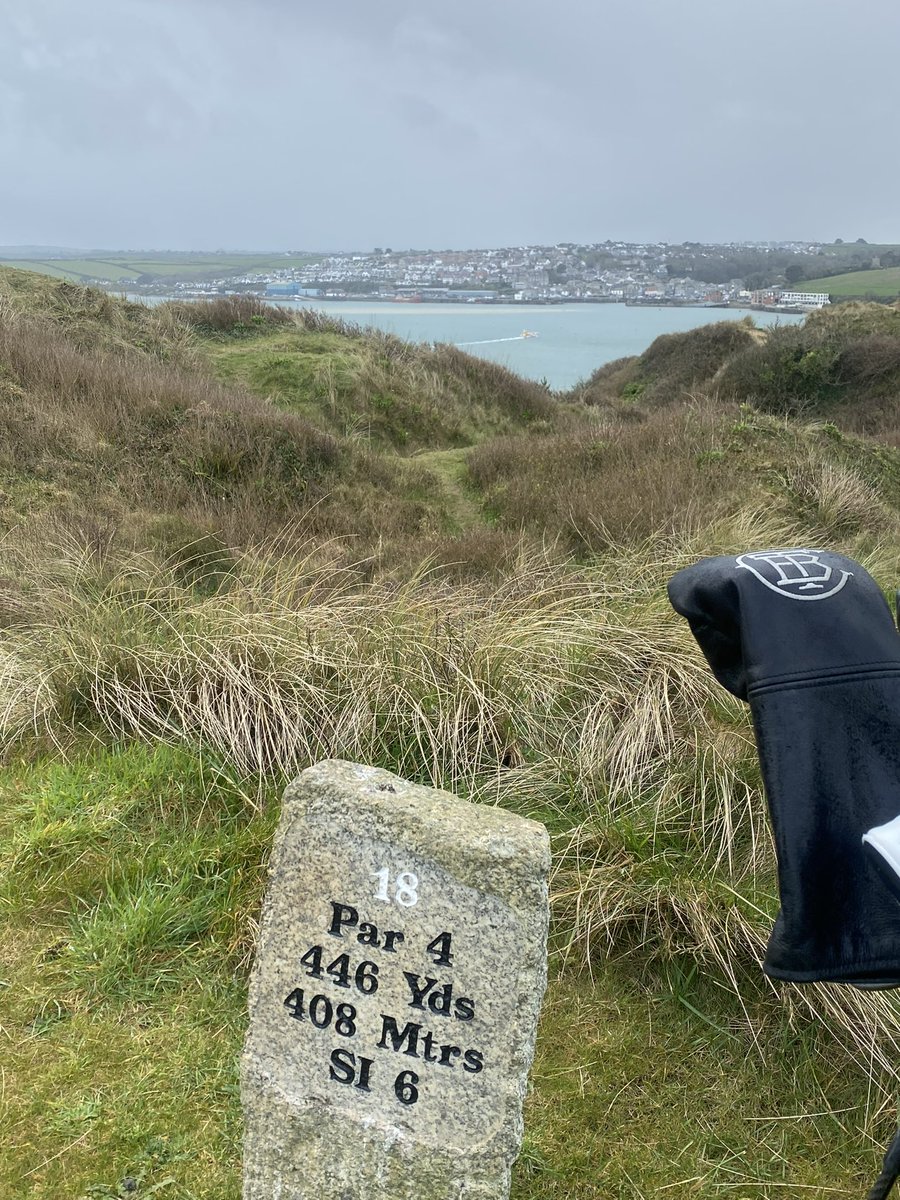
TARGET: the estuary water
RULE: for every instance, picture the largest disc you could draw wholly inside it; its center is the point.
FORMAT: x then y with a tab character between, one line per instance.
573	339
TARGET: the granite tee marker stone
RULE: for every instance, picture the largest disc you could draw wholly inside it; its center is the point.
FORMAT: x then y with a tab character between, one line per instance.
395	996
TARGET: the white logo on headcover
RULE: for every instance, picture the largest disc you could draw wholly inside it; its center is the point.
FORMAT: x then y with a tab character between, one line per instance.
798	574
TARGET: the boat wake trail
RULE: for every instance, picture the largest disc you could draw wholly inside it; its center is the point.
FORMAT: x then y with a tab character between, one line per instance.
520	337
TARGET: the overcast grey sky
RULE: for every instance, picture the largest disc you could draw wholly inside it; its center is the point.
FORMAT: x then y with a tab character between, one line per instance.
353	123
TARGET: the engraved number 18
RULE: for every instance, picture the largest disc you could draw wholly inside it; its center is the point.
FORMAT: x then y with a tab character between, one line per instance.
405	887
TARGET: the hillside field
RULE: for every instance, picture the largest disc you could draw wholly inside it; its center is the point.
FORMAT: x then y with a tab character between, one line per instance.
237	540
167	267
884	282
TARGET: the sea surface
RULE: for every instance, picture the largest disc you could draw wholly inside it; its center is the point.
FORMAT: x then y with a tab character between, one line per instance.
573	339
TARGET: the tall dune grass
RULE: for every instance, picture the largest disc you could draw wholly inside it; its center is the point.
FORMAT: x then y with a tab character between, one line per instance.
572	695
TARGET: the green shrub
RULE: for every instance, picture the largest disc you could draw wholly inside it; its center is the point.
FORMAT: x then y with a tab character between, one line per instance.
787	374
673	364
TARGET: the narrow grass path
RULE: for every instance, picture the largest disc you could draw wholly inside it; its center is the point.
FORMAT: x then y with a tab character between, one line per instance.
457	496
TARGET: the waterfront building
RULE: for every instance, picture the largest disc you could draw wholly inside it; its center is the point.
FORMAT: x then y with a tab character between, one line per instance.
805	299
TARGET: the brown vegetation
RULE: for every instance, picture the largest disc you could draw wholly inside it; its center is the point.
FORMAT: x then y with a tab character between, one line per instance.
618	482
135	435
235	316
148	447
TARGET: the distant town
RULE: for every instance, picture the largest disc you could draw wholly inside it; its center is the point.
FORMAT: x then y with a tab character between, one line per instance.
565	273
789	275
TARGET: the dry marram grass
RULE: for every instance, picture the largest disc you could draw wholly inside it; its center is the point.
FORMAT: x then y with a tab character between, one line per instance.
572	695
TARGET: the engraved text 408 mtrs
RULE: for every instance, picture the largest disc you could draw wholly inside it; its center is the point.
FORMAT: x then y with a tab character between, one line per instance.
431	996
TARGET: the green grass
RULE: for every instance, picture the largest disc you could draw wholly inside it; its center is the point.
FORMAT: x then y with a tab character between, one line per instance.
171	267
79	270
99	269
884	282
130	879
656	1086
133	878
458	498
375	389
39	268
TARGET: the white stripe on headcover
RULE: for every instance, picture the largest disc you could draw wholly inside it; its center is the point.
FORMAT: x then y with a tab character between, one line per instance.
886	840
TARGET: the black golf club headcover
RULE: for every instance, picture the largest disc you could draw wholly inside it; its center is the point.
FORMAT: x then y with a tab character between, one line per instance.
806	637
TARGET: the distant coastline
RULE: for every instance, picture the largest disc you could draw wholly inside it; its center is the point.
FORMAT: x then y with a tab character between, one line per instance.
499	301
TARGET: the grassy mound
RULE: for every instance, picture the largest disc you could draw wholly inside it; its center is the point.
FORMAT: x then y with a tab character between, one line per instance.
672	365
111	418
842	364
94	321
109	421
370	385
682	469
